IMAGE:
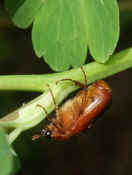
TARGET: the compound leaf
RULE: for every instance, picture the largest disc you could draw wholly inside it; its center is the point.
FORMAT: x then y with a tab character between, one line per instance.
23	12
64	29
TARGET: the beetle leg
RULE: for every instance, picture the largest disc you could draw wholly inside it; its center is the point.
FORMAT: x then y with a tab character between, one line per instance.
73	113
43	108
58	124
77	83
84	100
75	109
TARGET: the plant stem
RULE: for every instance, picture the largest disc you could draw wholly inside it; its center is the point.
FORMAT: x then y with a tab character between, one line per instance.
14	134
118	62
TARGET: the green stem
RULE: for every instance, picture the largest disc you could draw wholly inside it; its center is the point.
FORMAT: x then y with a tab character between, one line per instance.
94	71
14	134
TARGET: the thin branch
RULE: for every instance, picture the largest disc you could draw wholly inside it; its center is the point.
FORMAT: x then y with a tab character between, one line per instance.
117	63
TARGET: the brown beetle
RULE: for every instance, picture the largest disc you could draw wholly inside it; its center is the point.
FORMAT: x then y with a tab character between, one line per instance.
78	113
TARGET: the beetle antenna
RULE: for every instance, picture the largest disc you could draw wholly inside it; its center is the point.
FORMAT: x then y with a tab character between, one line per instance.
85	77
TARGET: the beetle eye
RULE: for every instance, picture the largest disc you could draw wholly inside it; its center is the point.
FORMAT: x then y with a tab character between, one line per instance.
45	132
48	133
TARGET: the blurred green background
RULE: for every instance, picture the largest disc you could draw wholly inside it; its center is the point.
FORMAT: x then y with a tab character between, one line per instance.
104	149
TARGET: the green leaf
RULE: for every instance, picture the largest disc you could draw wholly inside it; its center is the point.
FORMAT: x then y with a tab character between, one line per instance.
63	30
9	163
103	28
23	12
63	40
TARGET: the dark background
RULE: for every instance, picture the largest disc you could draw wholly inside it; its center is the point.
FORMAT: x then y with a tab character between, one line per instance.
104	149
